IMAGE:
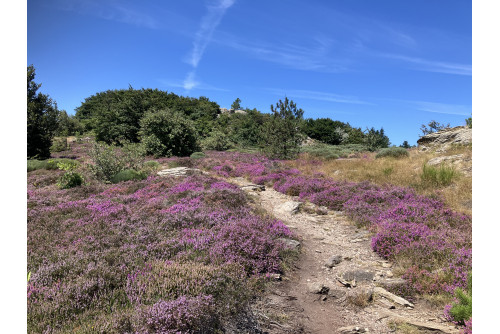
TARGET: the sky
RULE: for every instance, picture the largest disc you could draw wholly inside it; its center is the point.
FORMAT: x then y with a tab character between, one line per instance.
387	63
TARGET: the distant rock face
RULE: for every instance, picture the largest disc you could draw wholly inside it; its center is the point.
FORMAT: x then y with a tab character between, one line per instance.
460	135
231	111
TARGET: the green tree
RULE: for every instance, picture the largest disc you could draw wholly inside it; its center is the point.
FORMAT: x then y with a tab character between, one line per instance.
405	144
468	122
67	125
376	139
41	120
167	132
236	104
282	132
327	131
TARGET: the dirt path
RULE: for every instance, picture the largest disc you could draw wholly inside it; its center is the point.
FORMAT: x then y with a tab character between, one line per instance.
311	299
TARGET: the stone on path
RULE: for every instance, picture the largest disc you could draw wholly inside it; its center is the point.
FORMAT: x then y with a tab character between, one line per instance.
352	330
290	207
396	299
333	261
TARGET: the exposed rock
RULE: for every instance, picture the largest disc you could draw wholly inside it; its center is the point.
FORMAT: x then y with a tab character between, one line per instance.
359	275
391	283
253	187
427	326
398	300
333	261
180	171
352	330
290	243
460	135
439	160
318	288
290	207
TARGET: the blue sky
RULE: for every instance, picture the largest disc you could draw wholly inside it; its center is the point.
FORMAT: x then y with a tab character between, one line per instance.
388	63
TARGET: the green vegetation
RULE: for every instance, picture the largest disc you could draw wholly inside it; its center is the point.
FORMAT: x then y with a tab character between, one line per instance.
70	178
468	122
329	152
109	161
433	126
282	136
461	311
166	133
42	119
59	145
197	155
217	141
405	144
236	104
442	176
376	139
393	152
127	175
115	115
49	164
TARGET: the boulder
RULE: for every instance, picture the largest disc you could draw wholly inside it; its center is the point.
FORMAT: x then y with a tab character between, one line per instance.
358	275
460	135
290	243
290	207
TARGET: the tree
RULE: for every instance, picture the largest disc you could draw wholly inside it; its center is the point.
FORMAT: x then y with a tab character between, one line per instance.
433	126
327	131
282	132
42	119
167	132
236	104
468	122
405	144
376	139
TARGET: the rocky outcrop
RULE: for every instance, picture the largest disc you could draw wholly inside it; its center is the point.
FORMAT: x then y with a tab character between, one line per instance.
180	171
442	140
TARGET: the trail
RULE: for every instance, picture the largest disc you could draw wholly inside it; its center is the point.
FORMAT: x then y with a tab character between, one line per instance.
309	298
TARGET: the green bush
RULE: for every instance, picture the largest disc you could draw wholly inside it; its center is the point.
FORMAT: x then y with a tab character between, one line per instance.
393	152
70	179
167	133
197	155
330	152
462	310
442	176
127	175
49	164
468	122
216	140
59	145
106	162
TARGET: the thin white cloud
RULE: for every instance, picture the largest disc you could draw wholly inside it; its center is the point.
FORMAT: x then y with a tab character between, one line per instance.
209	22
313	57
191	83
443	108
434	66
315	95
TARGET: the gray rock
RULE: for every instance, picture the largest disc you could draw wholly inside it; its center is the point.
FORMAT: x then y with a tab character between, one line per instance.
359	275
446	159
460	135
352	330
333	261
291	207
318	288
253	187
392	297
290	243
180	171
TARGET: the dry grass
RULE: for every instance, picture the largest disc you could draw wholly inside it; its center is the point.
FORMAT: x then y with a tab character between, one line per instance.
404	172
403	328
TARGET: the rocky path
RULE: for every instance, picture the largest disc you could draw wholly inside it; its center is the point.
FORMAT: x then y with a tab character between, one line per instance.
337	285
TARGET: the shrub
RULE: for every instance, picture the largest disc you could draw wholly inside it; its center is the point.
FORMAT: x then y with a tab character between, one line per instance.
167	133
438	177
393	152
197	155
217	141
59	145
49	164
127	175
106	162
461	311
468	122
70	179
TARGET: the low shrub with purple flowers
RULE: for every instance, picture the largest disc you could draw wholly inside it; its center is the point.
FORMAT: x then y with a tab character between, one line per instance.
431	243
148	256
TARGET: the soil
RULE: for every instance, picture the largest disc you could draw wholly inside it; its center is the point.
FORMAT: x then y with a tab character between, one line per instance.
296	304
